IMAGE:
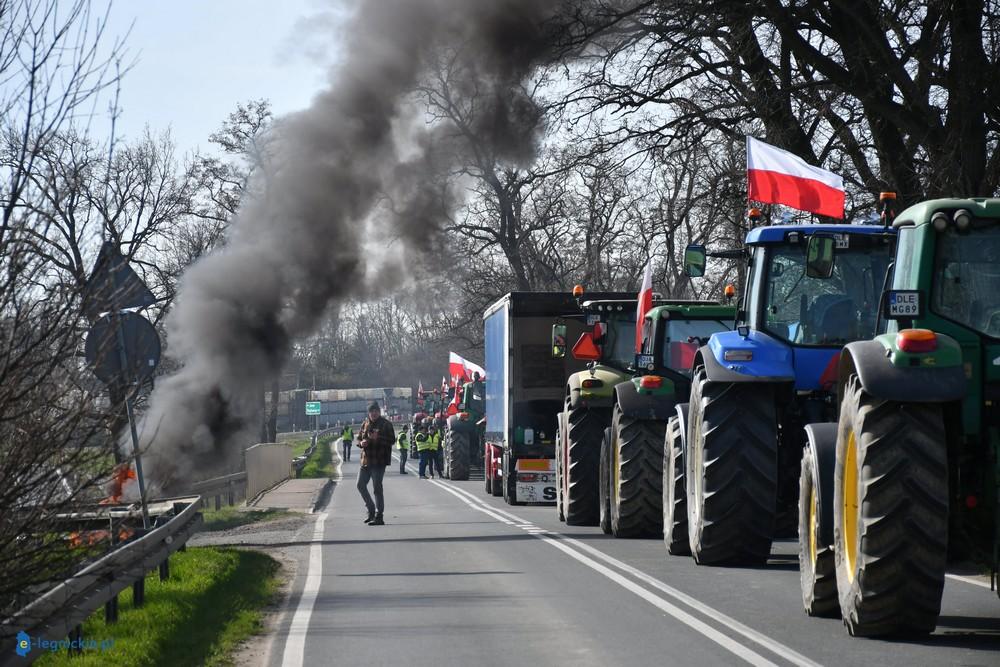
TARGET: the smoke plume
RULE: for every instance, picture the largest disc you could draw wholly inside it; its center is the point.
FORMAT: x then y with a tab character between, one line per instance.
299	247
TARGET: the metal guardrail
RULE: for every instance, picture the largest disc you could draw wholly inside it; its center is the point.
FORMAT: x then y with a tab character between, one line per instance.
231	487
60	611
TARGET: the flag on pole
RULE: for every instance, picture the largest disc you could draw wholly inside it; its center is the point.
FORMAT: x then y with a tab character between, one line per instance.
420	388
645	303
775	176
463	368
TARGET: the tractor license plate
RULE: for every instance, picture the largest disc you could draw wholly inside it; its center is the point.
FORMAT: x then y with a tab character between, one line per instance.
903	304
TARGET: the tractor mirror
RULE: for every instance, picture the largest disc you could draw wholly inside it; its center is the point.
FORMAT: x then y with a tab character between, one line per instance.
819	256
558	341
694	261
585	348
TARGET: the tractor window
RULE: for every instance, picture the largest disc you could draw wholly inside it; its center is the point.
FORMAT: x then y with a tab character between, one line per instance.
966	286
619	346
682	338
825	311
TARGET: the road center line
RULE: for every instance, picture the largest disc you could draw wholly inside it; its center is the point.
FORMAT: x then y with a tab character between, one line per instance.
753	635
295	643
970	580
708	631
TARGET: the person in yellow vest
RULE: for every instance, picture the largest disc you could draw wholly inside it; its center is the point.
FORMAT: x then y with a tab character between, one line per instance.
403	445
425	451
434	435
347	436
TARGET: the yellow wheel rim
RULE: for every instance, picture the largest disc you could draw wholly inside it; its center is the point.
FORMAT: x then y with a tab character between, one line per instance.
812	524
850	527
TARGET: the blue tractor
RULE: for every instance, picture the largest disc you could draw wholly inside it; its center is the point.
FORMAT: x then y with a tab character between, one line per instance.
756	387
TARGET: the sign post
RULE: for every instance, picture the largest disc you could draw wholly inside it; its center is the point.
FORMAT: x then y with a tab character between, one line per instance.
113	287
314	409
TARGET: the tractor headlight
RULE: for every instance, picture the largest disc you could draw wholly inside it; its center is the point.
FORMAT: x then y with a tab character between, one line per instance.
940	221
963	219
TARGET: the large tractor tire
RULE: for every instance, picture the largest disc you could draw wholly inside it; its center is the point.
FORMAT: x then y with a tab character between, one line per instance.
890	514
636	476
732	471
817	564
583	442
675	524
604	483
456	454
560	482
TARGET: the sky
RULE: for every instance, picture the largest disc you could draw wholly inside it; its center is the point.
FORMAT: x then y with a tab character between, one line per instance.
196	59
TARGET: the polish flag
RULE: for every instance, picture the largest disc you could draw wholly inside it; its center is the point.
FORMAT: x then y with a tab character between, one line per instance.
420	388
775	176
463	367
645	299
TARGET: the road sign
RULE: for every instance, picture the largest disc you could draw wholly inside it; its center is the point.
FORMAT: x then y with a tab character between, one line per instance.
142	348
113	285
313	408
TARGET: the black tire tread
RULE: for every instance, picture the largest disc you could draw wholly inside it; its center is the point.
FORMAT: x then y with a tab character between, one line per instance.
818	580
456	450
639	510
735	426
903	486
583	440
675	523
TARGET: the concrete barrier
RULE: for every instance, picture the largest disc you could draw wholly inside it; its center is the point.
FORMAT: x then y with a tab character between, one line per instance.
267	464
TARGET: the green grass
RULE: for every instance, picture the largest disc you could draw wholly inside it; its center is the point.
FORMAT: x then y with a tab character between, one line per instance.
299	446
230	517
211	602
320	464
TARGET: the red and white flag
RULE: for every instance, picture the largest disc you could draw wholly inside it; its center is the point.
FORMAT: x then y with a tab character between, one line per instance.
645	303
775	176
463	367
420	388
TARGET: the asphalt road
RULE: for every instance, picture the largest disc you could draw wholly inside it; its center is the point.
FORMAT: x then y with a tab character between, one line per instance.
460	578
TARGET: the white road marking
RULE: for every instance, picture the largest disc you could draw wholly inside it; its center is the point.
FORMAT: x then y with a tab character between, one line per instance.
696	624
970	580
295	643
763	640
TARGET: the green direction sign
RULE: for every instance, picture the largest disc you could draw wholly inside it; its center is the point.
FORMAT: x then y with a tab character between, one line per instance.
313	407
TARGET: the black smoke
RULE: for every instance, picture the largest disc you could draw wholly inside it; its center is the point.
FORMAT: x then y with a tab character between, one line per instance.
303	244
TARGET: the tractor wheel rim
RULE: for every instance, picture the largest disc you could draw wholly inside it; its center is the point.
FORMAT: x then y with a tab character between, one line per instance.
812	524
850	509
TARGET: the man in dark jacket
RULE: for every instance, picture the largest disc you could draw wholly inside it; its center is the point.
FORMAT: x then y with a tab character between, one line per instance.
376	439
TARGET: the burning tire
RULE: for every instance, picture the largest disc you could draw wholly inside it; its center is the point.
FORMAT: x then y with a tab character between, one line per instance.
732	471
636	471
675	524
890	514
581	505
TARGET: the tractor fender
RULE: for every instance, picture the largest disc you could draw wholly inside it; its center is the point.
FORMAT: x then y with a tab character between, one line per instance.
771	362
632	403
457	424
869	359
821	439
602	397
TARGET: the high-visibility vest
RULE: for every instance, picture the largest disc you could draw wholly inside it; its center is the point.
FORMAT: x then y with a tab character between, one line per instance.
348	433
435	440
401	441
423	442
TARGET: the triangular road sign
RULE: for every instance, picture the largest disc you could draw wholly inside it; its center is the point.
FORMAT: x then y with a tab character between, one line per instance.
113	285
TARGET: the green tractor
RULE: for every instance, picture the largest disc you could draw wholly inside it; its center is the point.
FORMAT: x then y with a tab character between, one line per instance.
464	431
589	399
630	481
907	477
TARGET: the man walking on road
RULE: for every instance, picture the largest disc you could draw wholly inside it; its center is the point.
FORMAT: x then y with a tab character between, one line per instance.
347	435
403	445
376	440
